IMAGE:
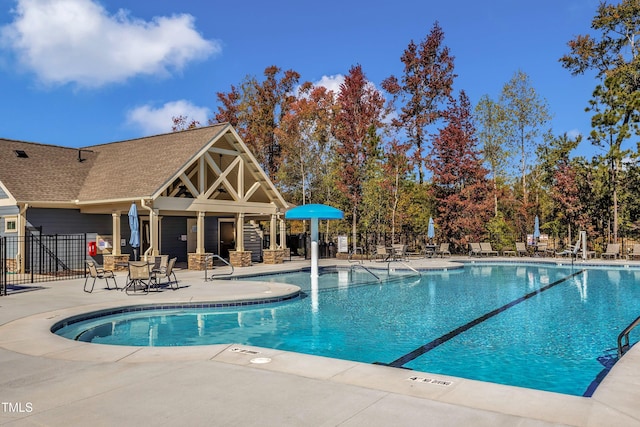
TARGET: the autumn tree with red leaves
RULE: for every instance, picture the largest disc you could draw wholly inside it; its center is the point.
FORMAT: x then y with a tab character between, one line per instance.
256	111
426	84
460	185
305	136
361	109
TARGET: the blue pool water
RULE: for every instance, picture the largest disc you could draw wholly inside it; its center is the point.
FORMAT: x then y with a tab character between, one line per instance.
543	327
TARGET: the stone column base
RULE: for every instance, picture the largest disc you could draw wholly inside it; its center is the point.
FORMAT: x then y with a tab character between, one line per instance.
199	261
240	259
115	262
273	256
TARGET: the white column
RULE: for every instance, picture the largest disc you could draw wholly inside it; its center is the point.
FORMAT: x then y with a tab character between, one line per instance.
273	232
283	234
314	247
115	221
240	232
155	233
200	233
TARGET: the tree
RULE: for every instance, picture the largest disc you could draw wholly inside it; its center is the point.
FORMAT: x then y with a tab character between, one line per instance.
616	100
361	109
526	113
305	136
427	82
396	168
491	118
257	110
182	123
459	184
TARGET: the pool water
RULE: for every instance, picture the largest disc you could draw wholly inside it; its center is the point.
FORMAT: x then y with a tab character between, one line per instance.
543	327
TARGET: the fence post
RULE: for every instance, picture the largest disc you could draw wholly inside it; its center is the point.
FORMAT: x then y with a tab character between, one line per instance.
3	265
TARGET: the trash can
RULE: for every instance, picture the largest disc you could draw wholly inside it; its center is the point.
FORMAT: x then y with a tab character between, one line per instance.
332	250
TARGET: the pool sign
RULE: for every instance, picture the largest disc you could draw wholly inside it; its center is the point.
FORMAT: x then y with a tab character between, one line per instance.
343	246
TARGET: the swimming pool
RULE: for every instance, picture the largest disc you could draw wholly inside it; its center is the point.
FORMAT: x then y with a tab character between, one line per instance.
537	326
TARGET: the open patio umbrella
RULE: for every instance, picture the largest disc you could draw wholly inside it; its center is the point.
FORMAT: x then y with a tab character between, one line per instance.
134	240
431	232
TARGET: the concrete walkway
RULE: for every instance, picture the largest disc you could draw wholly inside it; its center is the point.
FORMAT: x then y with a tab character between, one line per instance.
52	381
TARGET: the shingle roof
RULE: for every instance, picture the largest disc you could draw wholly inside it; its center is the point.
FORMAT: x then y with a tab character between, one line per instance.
139	167
134	168
48	173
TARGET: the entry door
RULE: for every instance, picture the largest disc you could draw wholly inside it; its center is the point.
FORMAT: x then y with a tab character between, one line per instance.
227	237
192	235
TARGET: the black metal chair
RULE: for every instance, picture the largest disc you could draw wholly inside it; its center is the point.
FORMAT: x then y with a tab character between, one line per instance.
96	272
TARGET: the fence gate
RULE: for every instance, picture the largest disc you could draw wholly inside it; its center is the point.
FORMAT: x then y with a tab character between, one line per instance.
37	258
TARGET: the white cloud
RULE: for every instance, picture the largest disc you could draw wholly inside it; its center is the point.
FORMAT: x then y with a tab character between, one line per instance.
331	82
574	133
78	41
153	121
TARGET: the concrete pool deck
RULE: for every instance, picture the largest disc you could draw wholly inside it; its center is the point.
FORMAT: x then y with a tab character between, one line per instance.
49	380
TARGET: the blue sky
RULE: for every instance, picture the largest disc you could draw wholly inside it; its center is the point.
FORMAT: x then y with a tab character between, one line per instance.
84	72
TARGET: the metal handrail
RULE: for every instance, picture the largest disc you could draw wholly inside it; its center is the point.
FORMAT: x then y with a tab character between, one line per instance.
367	270
624	336
403	263
211	258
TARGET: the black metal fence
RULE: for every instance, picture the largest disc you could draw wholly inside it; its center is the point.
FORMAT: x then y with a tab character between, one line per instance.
37	258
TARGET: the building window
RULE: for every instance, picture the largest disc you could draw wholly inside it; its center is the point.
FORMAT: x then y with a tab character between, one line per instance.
10	224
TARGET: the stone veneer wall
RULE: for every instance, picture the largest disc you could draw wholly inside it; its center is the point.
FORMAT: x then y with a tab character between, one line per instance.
240	259
116	262
273	256
199	261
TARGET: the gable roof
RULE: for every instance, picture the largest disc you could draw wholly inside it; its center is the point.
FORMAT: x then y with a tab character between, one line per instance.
48	173
126	170
137	168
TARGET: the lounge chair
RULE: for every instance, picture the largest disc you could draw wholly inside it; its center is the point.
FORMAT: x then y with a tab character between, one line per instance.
521	249
157	276
635	251
443	250
96	272
474	249
486	249
613	251
573	253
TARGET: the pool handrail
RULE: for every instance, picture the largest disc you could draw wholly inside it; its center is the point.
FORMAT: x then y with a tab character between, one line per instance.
403	263
211	258
624	336
367	270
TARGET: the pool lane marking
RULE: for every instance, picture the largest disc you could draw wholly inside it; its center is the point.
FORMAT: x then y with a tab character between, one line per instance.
398	363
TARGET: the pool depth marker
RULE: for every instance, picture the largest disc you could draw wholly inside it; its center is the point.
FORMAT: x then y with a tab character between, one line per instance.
398	363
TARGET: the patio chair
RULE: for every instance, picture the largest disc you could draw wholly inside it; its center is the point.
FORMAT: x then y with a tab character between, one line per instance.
573	253
380	252
157	276
443	250
521	249
613	251
486	249
139	277
98	273
399	252
541	249
474	249
635	251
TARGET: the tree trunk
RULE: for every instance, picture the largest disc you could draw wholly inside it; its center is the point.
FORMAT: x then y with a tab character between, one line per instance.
354	235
